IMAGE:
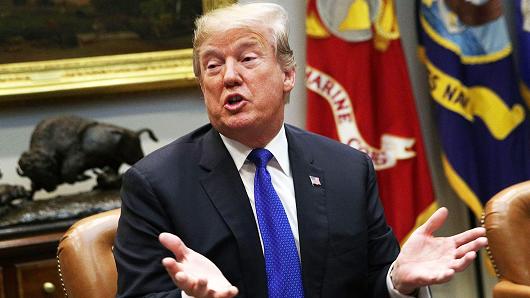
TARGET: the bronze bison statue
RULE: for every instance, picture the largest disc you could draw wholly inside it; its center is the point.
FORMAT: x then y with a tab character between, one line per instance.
63	148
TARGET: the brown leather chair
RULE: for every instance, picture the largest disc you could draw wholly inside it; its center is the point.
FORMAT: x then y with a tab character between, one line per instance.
507	222
85	259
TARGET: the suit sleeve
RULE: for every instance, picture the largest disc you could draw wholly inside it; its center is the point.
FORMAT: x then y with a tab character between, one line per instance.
137	251
383	247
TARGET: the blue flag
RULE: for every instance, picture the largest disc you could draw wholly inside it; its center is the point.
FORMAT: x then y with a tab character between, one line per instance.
522	23
482	120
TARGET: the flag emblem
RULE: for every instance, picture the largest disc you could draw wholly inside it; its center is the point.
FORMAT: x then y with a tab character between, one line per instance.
315	181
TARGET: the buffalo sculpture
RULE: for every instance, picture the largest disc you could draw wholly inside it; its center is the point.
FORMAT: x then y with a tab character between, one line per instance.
63	148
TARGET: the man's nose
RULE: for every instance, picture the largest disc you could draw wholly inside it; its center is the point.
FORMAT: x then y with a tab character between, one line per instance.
232	77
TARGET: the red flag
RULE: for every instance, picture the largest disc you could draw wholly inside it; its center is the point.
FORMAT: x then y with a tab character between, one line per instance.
359	93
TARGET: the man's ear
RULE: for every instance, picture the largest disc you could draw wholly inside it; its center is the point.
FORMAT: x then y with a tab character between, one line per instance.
289	79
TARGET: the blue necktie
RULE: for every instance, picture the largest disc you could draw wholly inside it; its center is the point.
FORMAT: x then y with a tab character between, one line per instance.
282	264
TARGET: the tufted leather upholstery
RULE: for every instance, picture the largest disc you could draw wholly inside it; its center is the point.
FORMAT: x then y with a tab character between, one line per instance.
86	262
507	223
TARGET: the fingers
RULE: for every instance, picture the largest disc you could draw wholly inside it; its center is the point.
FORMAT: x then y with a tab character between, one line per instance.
467	252
195	287
435	221
469	242
469	235
474	245
201	287
174	244
229	293
461	264
171	266
198	287
186	283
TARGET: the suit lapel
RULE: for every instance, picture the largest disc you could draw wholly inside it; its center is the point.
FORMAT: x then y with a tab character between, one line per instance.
227	193
311	211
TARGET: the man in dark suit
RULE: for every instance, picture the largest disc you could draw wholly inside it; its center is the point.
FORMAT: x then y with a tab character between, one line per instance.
192	220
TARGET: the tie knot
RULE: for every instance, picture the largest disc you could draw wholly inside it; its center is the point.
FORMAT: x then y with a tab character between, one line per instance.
260	157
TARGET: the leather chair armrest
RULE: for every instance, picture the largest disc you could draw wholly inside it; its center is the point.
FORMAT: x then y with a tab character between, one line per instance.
508	289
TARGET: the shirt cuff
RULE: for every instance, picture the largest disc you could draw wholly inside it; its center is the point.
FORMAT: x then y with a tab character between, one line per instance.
184	295
423	292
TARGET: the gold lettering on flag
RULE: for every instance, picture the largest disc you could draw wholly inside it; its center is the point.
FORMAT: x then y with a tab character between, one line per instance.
479	101
393	148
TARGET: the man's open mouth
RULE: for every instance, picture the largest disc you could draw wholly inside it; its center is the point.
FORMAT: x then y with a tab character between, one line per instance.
234	99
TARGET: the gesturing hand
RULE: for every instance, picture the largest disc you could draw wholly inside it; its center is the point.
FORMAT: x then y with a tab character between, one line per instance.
426	260
193	273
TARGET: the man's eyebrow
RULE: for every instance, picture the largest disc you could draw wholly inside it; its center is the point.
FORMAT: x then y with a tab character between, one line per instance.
249	43
210	52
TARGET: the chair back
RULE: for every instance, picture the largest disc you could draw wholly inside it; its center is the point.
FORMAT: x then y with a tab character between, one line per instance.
85	259
507	223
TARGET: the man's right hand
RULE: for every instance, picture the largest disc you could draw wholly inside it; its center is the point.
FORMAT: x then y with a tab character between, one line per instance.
193	273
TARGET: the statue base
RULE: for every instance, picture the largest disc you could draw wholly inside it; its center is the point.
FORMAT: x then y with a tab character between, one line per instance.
56	214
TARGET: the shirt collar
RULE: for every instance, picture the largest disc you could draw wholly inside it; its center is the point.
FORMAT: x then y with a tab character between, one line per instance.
277	146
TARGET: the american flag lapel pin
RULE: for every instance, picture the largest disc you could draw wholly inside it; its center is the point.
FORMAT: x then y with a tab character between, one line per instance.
315	181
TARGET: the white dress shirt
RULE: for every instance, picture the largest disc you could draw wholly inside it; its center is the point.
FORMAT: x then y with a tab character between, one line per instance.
282	181
280	171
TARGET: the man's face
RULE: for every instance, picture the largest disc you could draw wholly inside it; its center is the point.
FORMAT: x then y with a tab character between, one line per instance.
244	85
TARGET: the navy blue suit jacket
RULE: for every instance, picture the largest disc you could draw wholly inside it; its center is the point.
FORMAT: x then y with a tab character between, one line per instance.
192	188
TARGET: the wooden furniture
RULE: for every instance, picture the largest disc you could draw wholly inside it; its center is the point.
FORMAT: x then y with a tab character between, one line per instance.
28	248
28	266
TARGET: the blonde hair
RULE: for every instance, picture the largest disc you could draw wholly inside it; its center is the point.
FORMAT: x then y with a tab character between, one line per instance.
246	16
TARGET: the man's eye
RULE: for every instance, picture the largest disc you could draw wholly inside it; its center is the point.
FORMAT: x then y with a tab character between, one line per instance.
248	59
211	66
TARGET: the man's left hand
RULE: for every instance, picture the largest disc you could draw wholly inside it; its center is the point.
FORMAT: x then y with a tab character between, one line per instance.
426	260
